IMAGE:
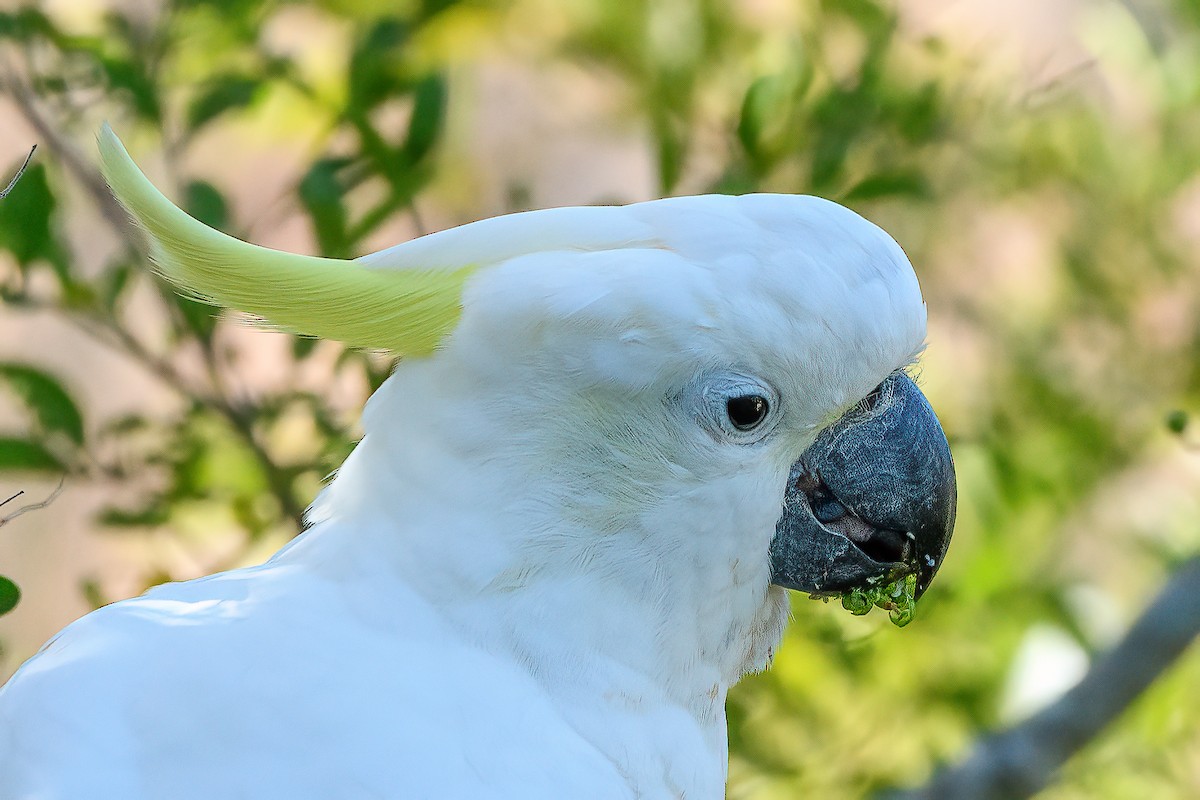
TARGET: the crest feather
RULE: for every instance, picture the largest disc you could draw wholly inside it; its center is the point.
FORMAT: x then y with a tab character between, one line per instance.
408	311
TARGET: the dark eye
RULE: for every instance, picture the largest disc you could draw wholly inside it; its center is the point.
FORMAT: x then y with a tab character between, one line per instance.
747	411
733	407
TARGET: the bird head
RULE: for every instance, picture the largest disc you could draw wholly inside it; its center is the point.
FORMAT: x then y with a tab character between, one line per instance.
697	397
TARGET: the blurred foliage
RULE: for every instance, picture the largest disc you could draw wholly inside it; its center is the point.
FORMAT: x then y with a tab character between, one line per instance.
1053	224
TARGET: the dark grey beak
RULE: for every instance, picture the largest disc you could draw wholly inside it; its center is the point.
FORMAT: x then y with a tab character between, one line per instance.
872	500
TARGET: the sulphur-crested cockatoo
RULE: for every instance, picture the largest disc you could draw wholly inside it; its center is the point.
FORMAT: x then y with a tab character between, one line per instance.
614	438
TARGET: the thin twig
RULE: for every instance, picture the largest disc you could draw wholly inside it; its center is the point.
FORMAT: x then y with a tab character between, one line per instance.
20	172
62	481
1022	760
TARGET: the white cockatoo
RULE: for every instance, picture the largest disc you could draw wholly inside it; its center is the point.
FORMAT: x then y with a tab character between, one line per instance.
615	436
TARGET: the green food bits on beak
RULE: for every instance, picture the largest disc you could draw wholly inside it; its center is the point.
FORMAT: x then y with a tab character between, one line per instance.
898	599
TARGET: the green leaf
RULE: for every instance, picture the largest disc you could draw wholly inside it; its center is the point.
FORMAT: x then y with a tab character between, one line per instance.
25	455
671	150
759	104
376	71
840	119
918	115
900	183
129	73
749	124
45	397
10	595
224	93
27	227
303	346
112	284
93	593
26	24
199	318
429	111
321	193
154	514
427	9
204	202
125	425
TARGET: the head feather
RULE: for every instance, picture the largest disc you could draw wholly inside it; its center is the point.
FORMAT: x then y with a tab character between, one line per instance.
408	311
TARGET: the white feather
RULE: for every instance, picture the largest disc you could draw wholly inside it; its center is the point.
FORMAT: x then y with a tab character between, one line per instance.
538	574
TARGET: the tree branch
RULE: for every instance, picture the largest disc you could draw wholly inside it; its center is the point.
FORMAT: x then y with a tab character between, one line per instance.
239	419
1022	760
25	509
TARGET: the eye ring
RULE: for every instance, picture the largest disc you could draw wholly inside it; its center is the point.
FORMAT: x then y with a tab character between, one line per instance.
733	406
747	411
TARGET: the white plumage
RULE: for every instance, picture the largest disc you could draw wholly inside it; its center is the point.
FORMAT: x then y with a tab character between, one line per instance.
545	564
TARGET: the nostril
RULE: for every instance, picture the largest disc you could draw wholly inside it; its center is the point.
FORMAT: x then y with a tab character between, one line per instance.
886	546
823	502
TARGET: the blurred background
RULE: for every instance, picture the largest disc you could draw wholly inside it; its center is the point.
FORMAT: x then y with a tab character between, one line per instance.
1039	160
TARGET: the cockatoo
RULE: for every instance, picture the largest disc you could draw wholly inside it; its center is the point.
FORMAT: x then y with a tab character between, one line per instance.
616	437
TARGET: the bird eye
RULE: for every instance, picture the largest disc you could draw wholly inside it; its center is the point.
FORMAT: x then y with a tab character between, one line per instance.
747	411
733	406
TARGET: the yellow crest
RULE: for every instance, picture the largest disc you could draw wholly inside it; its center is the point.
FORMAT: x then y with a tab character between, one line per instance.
408	311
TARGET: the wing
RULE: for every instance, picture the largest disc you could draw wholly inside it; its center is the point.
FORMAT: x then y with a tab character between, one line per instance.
271	682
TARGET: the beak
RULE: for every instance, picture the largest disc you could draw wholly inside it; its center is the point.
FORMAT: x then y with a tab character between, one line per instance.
871	501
